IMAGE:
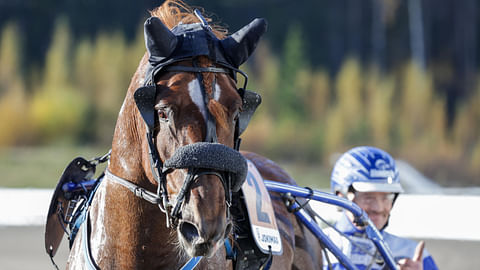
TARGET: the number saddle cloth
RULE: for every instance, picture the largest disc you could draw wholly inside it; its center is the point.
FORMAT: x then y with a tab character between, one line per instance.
256	234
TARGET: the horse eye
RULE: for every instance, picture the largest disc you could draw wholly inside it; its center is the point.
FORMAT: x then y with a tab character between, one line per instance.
163	114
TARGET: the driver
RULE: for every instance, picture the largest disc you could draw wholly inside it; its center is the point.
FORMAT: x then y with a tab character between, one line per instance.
368	177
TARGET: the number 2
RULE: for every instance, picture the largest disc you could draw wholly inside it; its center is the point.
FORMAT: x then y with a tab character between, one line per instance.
261	216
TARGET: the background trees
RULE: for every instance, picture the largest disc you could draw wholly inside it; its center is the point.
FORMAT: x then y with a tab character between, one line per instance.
401	75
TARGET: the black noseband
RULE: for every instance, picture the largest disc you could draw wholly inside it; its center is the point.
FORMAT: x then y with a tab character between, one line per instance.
212	156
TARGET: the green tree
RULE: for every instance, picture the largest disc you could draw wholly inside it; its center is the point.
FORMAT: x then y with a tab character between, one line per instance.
416	95
57	107
346	124
379	104
13	103
102	70
289	97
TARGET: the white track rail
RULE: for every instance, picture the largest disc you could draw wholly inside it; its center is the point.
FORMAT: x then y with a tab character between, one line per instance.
452	217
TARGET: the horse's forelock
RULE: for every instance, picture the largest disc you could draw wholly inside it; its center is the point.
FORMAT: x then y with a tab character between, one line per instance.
172	12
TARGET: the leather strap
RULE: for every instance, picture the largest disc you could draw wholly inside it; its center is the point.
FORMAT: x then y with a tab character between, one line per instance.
89	261
196	69
138	191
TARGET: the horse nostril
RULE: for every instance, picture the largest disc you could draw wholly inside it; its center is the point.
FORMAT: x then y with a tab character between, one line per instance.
189	231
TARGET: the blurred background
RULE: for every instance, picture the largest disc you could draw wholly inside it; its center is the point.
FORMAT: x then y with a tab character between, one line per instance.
401	75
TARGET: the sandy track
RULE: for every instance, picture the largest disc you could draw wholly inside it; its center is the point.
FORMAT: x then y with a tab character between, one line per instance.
22	248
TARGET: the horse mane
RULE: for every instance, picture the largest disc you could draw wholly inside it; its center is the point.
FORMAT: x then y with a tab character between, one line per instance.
173	12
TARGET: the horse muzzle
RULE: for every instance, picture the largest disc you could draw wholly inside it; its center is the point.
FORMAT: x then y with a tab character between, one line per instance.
196	243
200	232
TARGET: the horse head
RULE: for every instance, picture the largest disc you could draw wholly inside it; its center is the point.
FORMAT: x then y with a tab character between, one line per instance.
189	113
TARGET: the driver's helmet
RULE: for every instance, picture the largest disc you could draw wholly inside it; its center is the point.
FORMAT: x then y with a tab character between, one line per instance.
366	169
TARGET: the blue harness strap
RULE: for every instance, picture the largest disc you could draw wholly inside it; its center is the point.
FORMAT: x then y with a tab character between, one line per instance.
81	217
192	263
231	254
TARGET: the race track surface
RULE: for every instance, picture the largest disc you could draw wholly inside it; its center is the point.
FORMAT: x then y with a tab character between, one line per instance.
22	248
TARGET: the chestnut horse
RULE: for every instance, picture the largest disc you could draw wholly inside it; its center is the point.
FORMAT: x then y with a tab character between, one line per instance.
187	101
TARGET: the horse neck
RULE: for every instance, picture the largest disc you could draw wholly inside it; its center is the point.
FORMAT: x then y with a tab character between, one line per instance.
127	150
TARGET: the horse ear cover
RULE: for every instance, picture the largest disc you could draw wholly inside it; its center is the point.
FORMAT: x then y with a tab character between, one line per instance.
213	156
159	40
240	45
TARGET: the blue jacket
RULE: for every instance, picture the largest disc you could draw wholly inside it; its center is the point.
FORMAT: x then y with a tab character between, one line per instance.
361	253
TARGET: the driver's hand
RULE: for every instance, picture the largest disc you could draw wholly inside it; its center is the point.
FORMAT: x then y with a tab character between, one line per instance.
415	263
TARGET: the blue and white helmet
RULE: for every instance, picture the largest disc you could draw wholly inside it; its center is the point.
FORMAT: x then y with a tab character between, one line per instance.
366	169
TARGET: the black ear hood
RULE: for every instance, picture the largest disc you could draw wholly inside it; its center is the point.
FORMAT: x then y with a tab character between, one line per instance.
159	40
186	41
240	45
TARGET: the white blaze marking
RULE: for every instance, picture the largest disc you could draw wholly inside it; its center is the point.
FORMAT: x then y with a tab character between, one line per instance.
195	92
217	93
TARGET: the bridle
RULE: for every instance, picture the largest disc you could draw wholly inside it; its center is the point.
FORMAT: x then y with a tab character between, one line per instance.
201	158
167	47
160	169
